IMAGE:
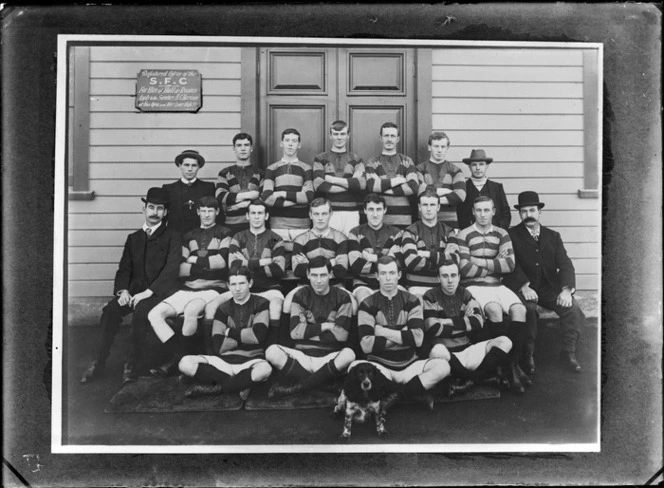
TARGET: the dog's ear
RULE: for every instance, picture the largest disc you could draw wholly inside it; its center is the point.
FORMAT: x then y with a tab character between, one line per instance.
382	385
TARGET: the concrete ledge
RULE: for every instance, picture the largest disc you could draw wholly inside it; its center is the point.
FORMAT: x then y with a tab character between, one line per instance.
84	311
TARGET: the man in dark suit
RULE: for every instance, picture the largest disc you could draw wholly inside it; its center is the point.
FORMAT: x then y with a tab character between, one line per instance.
147	274
185	192
544	275
479	185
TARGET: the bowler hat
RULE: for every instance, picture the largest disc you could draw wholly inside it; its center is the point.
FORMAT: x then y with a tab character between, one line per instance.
477	155
190	153
156	195
527	199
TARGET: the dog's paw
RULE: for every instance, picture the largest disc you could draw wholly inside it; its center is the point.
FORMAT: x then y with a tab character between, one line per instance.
382	433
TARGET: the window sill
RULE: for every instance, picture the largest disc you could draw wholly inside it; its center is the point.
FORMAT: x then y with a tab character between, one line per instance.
588	193
81	195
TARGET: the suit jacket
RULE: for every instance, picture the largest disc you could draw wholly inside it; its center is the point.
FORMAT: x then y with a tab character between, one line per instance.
540	261
152	262
491	189
182	216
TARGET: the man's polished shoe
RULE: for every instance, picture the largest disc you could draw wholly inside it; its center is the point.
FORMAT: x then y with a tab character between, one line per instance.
525	379
94	370
167	369
281	391
529	364
569	361
458	387
129	373
199	390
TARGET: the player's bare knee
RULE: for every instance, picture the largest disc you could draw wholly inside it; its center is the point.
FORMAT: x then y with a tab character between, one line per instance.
494	311
439	351
344	359
518	312
188	365
261	371
503	343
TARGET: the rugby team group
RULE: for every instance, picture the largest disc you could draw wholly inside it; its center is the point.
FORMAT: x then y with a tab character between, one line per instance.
302	271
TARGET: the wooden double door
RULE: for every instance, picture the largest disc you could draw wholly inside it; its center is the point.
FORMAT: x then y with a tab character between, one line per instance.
308	88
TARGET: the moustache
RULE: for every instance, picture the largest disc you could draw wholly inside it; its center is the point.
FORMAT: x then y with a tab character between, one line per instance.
529	219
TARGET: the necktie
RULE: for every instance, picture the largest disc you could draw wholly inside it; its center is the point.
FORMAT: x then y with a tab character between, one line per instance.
536	237
148	231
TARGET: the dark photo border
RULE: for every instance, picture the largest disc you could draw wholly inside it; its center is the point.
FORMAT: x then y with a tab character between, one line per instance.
631	289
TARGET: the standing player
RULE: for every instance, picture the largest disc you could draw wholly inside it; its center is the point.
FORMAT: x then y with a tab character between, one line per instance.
234	359
339	177
239	184
320	319
288	190
445	176
394	176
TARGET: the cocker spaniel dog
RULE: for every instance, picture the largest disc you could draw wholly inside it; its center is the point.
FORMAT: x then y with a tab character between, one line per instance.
366	392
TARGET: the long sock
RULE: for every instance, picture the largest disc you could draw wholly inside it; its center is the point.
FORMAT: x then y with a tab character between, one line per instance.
327	373
494	358
413	388
207	336
174	347
457	369
517	334
497	328
272	333
189	344
294	370
239	382
209	375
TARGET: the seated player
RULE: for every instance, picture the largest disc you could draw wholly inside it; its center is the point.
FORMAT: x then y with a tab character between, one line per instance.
204	260
320	240
452	325
425	244
339	177
485	254
234	359
368	242
391	330
320	319
239	184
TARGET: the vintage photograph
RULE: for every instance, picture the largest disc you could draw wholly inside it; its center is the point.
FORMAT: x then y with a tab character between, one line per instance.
326	245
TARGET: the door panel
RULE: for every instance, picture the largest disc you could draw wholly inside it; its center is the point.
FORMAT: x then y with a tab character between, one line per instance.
308	88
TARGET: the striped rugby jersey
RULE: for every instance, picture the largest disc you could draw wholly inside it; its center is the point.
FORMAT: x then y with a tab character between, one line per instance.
381	242
448	176
474	244
445	320
295	178
246	329
437	240
231	181
402	312
249	248
205	257
386	167
332	244
309	311
345	165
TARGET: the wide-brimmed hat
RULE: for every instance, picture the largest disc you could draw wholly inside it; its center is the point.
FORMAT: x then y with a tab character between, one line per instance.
527	199
190	153
477	155
156	195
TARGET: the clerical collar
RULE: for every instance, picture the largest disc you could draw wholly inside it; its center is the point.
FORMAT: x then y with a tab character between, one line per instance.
152	229
188	182
479	181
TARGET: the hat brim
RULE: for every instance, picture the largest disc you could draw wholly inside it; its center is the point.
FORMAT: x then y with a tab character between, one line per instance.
540	205
469	160
156	202
198	157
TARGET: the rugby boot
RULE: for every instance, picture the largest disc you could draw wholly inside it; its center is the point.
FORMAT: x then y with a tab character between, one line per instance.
282	391
568	354
167	369
525	379
95	369
515	380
